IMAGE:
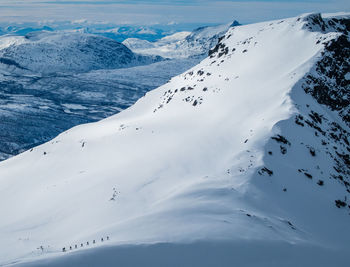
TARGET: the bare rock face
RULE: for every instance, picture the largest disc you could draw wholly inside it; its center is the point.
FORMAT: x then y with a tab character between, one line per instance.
329	85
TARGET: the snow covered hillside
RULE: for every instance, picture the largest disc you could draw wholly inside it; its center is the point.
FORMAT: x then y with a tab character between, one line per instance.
243	159
181	44
36	108
52	52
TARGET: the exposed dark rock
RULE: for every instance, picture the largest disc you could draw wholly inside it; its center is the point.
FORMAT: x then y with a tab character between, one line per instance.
312	124
340	204
224	52
283	150
329	86
312	151
265	170
317	118
200	72
299	119
281	139
308	175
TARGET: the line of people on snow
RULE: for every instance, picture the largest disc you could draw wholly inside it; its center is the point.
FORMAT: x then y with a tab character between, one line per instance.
82	244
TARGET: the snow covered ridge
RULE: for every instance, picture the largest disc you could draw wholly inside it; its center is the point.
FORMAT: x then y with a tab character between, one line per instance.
181	44
52	52
329	82
250	146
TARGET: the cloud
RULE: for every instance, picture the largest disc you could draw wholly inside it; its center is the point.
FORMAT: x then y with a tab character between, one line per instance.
163	11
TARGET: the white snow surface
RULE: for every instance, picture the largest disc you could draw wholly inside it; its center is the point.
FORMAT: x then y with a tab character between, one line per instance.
55	52
181	44
8	40
181	166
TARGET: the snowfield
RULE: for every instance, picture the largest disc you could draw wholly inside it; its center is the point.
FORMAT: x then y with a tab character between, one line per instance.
242	160
181	44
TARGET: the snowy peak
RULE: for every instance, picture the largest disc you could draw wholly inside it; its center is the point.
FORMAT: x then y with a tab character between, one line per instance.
51	52
324	78
328	23
235	23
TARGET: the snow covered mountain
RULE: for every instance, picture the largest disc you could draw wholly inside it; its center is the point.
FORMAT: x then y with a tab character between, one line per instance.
181	44
242	160
52	52
167	41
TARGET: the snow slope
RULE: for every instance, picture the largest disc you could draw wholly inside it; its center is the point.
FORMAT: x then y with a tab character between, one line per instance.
181	44
52	52
36	108
246	152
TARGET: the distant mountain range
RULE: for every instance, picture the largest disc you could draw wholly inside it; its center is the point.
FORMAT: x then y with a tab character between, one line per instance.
110	30
181	44
115	32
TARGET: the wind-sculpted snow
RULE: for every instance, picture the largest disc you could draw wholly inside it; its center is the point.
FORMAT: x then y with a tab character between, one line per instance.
235	150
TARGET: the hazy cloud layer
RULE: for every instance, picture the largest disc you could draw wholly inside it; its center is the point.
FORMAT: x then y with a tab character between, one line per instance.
162	11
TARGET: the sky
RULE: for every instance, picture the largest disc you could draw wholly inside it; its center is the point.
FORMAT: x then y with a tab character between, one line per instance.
163	11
